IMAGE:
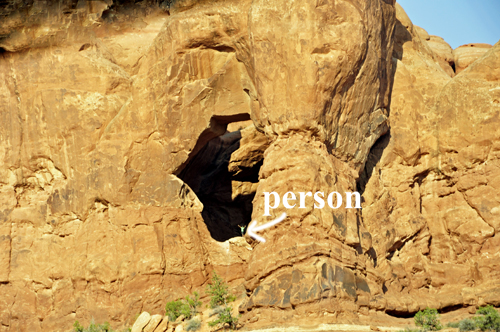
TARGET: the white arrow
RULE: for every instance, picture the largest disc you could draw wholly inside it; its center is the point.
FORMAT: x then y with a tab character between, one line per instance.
253	228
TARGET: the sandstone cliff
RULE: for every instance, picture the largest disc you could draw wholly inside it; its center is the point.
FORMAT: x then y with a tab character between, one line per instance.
430	190
136	137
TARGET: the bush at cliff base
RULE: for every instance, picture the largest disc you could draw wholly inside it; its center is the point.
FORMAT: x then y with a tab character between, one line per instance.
428	320
488	319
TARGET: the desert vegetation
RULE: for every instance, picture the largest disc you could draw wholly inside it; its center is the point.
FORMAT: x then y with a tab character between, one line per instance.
486	319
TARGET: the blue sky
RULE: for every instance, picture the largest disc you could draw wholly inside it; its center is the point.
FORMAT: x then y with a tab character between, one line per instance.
459	22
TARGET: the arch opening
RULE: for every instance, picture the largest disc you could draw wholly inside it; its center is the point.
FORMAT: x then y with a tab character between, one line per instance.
225	180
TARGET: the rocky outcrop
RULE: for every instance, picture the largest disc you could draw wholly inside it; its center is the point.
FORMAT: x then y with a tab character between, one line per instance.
443	53
451	61
93	221
465	55
150	323
136	138
421	32
429	184
306	107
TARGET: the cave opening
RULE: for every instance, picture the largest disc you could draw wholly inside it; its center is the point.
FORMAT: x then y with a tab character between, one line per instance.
225	184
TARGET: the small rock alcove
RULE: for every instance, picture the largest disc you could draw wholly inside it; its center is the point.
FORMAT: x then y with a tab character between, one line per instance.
224	174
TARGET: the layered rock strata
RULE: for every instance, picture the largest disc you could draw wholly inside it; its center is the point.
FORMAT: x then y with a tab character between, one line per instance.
430	185
94	223
323	105
465	55
122	188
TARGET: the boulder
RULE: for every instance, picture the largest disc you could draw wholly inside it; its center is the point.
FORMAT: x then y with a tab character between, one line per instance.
465	55
153	323
163	326
444	54
141	322
441	48
421	32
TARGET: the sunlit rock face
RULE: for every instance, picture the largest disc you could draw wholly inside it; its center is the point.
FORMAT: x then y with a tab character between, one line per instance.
96	124
136	138
322	74
430	185
465	55
100	135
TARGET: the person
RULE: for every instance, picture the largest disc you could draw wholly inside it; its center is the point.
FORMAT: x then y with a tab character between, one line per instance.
242	229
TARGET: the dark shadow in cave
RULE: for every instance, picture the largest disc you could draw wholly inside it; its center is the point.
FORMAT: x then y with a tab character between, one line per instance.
208	176
373	158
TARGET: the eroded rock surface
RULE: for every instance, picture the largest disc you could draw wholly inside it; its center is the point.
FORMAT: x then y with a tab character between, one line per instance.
121	187
93	222
321	135
431	186
465	55
443	53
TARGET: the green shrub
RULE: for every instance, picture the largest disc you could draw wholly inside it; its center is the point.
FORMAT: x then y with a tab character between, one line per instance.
77	327
92	327
187	307
466	325
428	320
454	325
489	319
225	317
173	309
193	303
218	291
219	298
193	324
217	310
